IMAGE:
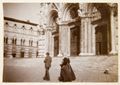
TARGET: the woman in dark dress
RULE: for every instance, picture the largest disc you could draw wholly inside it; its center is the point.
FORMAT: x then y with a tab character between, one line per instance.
66	73
72	72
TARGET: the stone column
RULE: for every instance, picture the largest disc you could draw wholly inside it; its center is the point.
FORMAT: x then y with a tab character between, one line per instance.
113	50
60	41
65	40
86	36
91	38
9	52
59	21
50	43
82	37
93	44
49	38
48	47
52	46
68	41
47	41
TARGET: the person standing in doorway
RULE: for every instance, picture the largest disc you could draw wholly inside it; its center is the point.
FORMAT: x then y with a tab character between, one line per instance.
47	62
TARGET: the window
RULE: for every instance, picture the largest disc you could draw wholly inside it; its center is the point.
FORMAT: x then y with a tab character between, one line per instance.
31	29
23	27
37	43
6	40
38	32
30	42
23	42
6	23
15	26
13	41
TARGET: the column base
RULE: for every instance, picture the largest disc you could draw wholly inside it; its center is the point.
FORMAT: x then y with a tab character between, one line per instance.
59	55
113	52
39	56
86	54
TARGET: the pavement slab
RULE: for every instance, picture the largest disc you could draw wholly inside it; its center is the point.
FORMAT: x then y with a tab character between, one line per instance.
87	69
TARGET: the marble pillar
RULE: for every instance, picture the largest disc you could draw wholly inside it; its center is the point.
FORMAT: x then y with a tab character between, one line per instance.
86	38
112	20
64	40
52	46
60	41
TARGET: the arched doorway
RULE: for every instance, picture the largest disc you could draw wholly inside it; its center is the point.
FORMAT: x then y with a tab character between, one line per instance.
101	40
55	31
102	31
70	15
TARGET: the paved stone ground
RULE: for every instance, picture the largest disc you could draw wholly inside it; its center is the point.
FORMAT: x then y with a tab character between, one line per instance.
87	69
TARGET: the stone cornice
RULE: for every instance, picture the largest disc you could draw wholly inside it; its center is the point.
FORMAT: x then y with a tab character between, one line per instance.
19	21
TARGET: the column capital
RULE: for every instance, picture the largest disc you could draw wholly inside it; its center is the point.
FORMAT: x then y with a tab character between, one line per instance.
74	21
113	9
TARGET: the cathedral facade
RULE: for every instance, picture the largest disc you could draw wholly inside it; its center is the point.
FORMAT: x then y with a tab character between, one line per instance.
65	29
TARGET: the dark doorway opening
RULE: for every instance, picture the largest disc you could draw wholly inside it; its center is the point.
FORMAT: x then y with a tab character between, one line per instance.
101	40
37	54
14	55
75	41
56	45
22	54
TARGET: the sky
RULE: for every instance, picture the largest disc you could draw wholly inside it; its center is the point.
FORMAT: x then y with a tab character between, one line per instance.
22	11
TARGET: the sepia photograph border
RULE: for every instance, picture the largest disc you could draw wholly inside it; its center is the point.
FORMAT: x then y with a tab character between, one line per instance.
55	1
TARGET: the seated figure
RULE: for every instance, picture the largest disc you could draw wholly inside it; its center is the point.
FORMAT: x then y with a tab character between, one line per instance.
66	73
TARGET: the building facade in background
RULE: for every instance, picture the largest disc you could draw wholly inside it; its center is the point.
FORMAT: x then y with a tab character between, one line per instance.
64	29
